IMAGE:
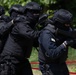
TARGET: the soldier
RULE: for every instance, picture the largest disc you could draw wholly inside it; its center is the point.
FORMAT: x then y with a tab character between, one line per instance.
17	50
5	26
53	47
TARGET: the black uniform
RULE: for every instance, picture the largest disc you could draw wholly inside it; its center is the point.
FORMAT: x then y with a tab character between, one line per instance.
52	51
5	29
19	45
6	22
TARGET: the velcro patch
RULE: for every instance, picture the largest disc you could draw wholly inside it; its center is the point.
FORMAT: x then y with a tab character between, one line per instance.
52	39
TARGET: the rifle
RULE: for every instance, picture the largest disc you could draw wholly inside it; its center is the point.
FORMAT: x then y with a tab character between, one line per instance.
42	18
41	22
69	34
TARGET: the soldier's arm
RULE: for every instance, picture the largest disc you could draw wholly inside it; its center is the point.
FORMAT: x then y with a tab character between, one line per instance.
27	32
4	27
48	43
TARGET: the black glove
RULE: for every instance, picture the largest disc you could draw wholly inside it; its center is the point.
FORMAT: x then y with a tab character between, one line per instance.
43	18
5	18
68	42
19	19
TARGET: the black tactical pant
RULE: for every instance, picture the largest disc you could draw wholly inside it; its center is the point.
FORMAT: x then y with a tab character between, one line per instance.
14	67
54	69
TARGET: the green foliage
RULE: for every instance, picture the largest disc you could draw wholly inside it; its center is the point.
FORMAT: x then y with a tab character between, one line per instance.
48	5
34	56
72	54
8	3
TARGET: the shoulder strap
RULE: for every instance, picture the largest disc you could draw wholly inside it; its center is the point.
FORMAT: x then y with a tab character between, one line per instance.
51	28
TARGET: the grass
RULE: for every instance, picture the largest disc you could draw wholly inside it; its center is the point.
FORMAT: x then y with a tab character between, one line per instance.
71	57
34	55
72	54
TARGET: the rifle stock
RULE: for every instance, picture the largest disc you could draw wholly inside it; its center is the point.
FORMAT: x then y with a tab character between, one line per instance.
69	34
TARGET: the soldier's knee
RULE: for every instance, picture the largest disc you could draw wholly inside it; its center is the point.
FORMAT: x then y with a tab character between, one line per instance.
5	69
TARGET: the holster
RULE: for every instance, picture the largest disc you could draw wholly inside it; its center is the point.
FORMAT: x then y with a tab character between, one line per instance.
6	69
47	70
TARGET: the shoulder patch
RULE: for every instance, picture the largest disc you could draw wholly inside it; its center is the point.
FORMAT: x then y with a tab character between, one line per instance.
52	39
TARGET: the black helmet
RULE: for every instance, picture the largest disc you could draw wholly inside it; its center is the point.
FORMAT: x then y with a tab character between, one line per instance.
63	16
32	6
2	10
17	8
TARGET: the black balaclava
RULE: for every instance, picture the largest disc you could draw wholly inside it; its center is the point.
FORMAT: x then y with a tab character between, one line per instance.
32	18
62	26
62	18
